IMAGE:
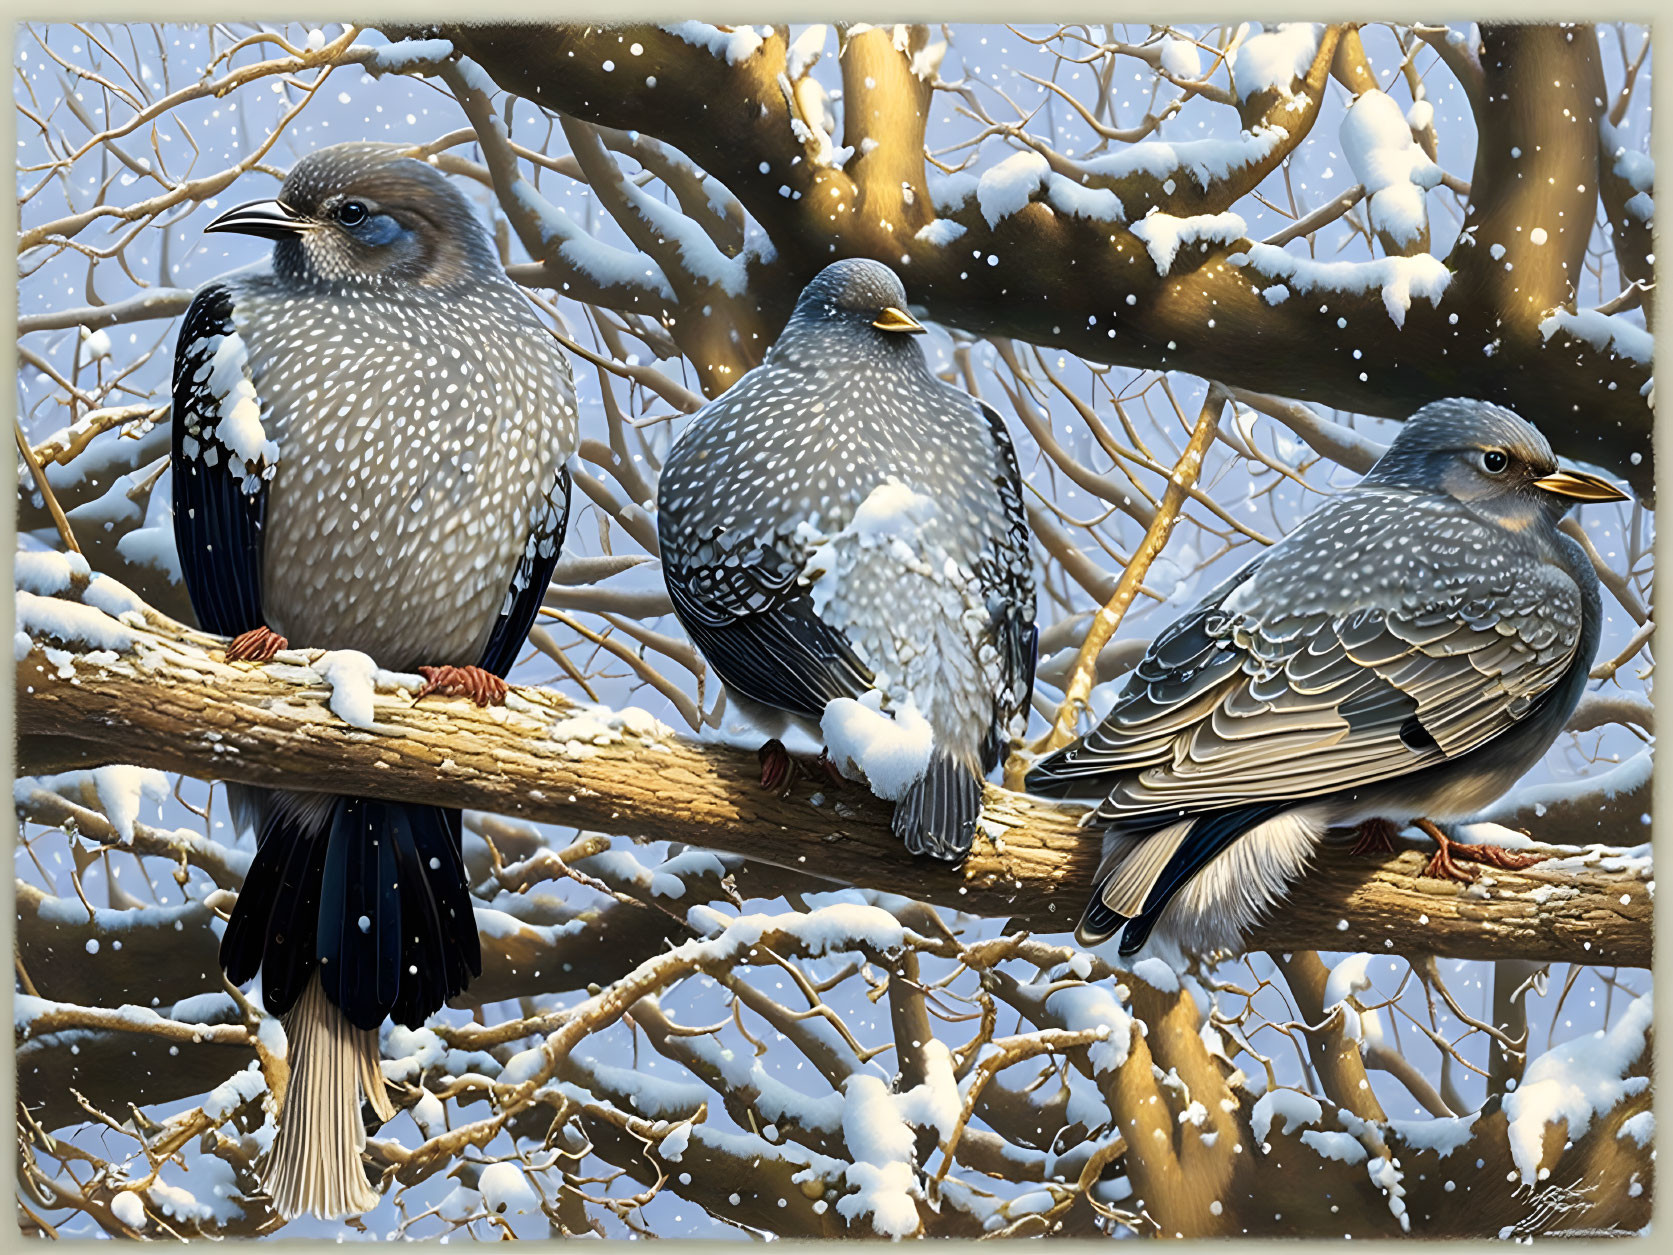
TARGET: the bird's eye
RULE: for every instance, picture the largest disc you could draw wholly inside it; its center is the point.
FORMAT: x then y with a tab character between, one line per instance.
1494	461
351	213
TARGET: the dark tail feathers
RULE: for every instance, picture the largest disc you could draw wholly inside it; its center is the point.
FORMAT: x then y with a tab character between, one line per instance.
937	816
371	893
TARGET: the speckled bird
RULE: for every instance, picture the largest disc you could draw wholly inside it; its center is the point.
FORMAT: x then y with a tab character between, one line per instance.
841	525
370	437
1406	653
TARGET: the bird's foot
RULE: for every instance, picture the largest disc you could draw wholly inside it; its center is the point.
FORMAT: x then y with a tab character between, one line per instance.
827	764
256	645
1442	864
482	687
776	765
779	766
1376	837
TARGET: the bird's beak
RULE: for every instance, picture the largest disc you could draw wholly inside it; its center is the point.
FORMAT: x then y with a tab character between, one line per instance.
1580	486
893	319
271	219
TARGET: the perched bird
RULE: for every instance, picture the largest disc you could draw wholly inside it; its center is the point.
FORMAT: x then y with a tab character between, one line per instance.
1409	650
843	538
369	444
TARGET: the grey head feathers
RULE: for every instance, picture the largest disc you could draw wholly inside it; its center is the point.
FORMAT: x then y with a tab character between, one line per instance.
368	215
1496	464
852	308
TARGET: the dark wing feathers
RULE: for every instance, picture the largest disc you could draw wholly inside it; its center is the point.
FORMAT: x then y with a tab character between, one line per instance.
937	814
528	583
1009	577
1227	710
218	514
777	651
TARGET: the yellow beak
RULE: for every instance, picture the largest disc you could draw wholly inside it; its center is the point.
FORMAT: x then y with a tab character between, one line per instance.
1580	486
893	319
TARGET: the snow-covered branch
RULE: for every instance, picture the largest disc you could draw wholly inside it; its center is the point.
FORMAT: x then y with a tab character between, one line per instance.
139	688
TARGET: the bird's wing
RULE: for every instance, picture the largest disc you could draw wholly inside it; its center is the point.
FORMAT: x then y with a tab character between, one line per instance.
1012	583
530	578
1227	709
757	628
220	499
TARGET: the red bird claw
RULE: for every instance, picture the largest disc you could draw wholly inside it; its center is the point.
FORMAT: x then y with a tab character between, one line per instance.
1376	836
256	645
775	766
482	687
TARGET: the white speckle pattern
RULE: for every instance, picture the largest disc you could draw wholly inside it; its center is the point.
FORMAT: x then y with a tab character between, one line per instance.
1352	671
843	472
424	411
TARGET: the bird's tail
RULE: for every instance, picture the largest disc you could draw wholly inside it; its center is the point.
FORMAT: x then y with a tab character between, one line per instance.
937	813
353	910
1231	880
314	1165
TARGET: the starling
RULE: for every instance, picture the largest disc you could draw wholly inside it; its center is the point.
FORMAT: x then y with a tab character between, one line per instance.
843	537
370	437
1409	650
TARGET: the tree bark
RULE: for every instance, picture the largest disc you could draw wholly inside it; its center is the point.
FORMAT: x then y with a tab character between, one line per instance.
1090	287
169	700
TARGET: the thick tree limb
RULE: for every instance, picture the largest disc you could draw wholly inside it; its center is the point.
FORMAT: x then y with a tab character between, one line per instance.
169	700
1089	286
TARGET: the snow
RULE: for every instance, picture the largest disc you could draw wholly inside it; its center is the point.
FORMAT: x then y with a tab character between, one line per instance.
429	1114
121	789
1350	977
96	344
948	192
882	1145
805	50
1574	1082
1632	774
673	1147
1295	1108
1179	58
1641	1128
1081	1007
1098	204
1205	160
939	233
398	58
1377	140
935	1103
1275	59
1339	1146
350	674
891	752
1442	1135
1164	235
47	572
70	622
1400	279
240	428
702	258
1157	974
153	547
127	1207
737	44
504	1187
1005	188
1637	168
1604	332
234	1092
602	263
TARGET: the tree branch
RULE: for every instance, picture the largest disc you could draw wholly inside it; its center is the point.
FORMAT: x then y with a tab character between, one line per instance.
161	695
1088	285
